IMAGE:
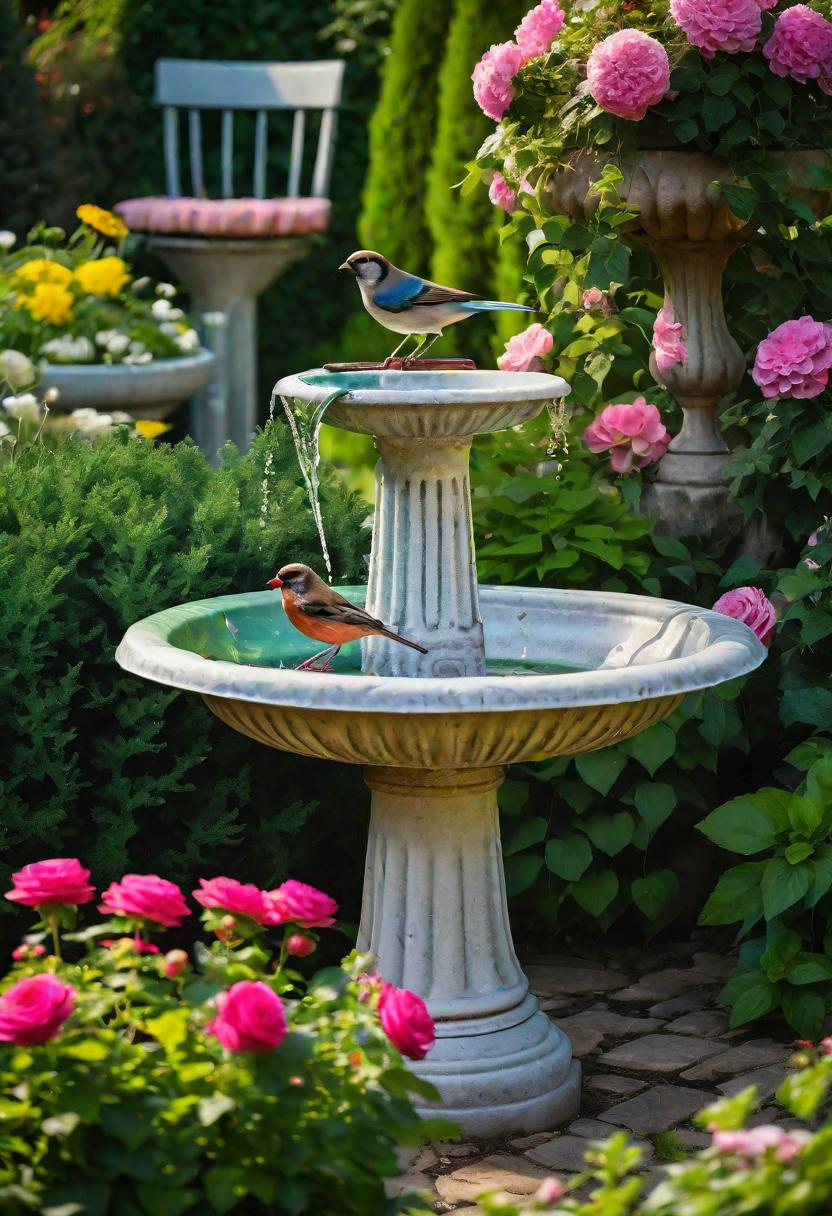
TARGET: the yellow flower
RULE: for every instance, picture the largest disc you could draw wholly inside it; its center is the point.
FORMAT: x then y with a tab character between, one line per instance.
49	302
148	428
43	270
103	277
102	221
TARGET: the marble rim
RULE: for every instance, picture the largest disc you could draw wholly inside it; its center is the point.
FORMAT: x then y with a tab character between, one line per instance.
493	388
732	650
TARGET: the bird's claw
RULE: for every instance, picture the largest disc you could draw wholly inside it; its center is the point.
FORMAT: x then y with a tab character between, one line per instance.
320	662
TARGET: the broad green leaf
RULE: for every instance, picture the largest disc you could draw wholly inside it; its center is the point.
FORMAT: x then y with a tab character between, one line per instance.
170	1028
736	895
595	891
805	814
805	1011
569	856
521	872
529	832
797	852
750	996
821	881
655	801
89	1050
783	885
807	707
655	746
653	893
740	826
600	769
609	833
513	796
819	784
809	969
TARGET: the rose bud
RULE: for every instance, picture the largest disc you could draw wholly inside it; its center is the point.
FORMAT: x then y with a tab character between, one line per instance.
299	945
175	962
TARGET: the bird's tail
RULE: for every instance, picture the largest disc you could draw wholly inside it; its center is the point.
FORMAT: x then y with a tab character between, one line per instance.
496	306
397	637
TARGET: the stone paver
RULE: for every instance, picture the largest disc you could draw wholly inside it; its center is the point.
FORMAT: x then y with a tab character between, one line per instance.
514	1175
611	1024
658	1109
585	1040
758	1053
661	1053
561	1153
407	1182
701	1022
685	1003
767	1080
590	1129
573	979
660	986
693	1141
524	1142
615	1086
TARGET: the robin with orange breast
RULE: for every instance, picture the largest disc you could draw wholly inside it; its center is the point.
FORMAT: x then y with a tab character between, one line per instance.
323	614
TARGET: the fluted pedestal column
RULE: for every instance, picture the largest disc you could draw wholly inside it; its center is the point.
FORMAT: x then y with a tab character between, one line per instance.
423	579
435	916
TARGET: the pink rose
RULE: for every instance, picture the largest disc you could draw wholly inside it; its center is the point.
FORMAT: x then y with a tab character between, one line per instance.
501	193
634	435
174	963
719	25
60	880
627	73
801	46
299	945
493	89
539	29
751	606
249	1017
406	1021
145	897
794	360
298	904
525	351
668	340
232	896
596	300
34	1010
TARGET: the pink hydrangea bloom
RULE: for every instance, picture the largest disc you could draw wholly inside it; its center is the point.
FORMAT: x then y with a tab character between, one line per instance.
145	897
668	340
794	360
249	1017
525	351
493	89
801	46
634	435
60	880
719	25
751	606
233	896
627	73
755	1142
299	904
539	28
406	1021
34	1010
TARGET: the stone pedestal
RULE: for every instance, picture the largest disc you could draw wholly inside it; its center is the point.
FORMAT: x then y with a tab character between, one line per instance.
434	914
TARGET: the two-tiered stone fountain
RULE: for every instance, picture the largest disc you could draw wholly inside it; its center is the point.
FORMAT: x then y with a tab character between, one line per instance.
512	674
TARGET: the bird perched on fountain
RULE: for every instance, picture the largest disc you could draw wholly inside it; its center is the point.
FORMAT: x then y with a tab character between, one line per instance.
323	614
412	306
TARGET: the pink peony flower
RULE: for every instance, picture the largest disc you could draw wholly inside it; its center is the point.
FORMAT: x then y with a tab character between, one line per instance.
299	945
232	896
174	963
60	880
596	300
525	351
34	1010
406	1021
493	89
751	606
249	1017
801	46
145	897
755	1142
794	360
539	29
719	25
627	73
634	435
668	339
298	904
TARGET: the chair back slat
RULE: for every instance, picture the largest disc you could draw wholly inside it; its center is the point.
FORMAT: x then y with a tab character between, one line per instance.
227	154
261	153
323	157
171	144
195	153
296	157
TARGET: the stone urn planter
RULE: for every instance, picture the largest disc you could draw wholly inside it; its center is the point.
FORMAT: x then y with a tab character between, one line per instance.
144	390
685	221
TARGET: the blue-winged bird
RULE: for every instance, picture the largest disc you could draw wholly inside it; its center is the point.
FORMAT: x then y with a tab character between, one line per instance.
412	306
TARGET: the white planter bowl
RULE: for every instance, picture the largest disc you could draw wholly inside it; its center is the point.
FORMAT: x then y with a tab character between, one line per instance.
145	390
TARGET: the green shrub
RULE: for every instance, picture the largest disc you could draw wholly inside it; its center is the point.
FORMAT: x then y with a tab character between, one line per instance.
92	538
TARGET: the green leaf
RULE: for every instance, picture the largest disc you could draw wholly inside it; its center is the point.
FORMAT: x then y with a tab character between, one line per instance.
799	851
819	785
655	746
736	895
569	856
685	130
653	893
609	833
595	891
655	801
805	1011
807	707
529	832
600	769
170	1028
89	1050
783	885
521	872
751	996
740	826
513	796
225	1186
806	814
810	969
821	867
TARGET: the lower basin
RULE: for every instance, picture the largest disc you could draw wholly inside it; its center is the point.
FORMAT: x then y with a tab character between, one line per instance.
568	672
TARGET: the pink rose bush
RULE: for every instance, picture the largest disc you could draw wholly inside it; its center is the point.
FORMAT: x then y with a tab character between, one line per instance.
249	1017
299	904
34	1010
627	73
492	77
539	29
634	435
406	1021
751	606
794	360
60	880
525	352
668	340
801	46
229	895
719	25
146	897
756	1142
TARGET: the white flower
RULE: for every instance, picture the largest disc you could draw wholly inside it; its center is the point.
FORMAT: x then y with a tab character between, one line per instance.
145	357
170	328
4	430
118	344
137	347
90	422
139	284
69	350
120	417
166	289
16	369
214	320
7	239
175	314
188	341
24	406
536	237
105	335
51	395
161	309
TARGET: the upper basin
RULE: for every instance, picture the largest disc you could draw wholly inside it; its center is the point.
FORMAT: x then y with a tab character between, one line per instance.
570	671
426	405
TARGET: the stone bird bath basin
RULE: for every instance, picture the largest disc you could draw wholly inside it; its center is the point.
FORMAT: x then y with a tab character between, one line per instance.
512	674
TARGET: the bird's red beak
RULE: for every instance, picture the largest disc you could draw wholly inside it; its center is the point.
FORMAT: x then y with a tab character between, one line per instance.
275	582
